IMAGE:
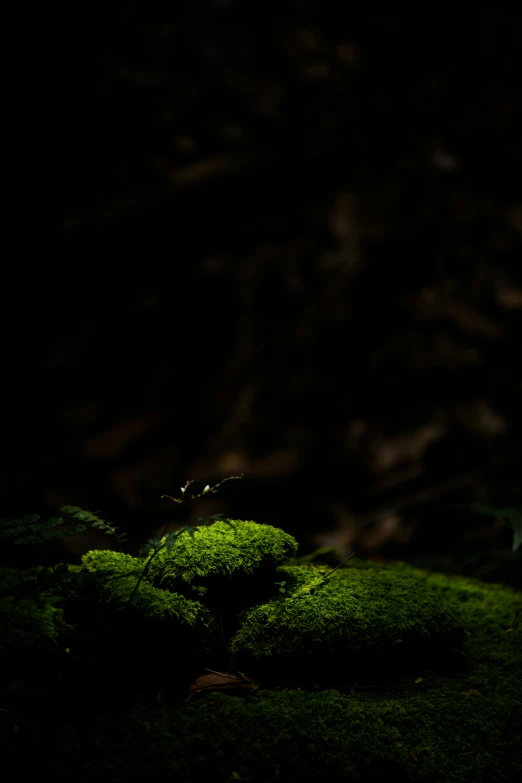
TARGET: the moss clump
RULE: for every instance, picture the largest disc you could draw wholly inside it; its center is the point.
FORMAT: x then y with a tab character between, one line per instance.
184	583
150	602
191	590
221	552
352	615
492	616
154	621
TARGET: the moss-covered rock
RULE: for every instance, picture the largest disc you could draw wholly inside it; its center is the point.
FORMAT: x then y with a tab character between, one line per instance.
351	617
190	592
434	725
217	554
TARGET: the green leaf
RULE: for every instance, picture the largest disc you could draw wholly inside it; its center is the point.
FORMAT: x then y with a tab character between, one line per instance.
52	522
92	518
50	536
29	540
206	520
30	519
8	522
14	526
190	530
40	529
72	531
15	531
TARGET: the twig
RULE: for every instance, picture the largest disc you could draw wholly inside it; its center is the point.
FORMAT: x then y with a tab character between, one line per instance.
338	566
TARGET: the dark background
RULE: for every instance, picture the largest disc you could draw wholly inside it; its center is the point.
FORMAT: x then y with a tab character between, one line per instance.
282	240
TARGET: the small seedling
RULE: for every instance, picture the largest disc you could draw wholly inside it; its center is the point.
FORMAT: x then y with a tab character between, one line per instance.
164	542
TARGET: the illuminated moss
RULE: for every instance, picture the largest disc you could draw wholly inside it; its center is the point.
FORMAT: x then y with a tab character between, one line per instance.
150	602
221	550
363	613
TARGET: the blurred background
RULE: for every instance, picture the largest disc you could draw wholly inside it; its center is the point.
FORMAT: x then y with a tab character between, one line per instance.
278	239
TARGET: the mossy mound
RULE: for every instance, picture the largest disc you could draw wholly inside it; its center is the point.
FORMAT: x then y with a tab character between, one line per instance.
351	617
221	564
190	590
218	553
145	620
434	726
149	602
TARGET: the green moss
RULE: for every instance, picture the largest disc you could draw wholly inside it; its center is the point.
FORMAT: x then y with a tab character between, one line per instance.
149	602
26	624
290	737
221	550
492	616
213	556
438	724
107	560
364	613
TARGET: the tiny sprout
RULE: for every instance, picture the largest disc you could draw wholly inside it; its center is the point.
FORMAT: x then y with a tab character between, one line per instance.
281	589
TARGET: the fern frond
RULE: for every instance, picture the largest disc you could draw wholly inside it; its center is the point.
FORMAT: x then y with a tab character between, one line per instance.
92	518
30	530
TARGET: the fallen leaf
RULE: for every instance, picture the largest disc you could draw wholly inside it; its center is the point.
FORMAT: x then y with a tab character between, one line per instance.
471	692
227	682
